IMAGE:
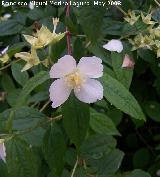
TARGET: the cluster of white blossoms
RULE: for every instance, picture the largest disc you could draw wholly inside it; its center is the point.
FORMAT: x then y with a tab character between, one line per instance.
79	78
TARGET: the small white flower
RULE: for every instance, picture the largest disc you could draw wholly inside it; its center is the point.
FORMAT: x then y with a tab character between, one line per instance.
114	45
79	78
4	51
4	57
31	5
6	16
2	150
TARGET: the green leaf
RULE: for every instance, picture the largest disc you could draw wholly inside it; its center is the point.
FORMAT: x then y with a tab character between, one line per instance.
7	83
141	158
12	97
20	77
102	124
123	75
111	163
78	49
21	160
147	55
96	145
10	27
56	49
100	52
116	115
121	98
152	109
75	120
3	169
54	149
30	85
36	14
15	48
138	173
91	17
25	119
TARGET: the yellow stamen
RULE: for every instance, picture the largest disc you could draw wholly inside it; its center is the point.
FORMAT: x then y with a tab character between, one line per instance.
74	80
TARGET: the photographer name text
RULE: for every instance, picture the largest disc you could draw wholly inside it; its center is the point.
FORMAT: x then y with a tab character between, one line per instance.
60	3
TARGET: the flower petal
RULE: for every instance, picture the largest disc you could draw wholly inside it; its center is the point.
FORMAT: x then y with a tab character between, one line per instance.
64	66
114	45
23	55
2	152
44	35
91	66
59	92
90	92
30	39
26	67
4	51
128	62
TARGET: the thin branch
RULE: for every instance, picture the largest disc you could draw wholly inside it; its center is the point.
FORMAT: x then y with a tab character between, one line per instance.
157	2
69	48
121	10
44	106
74	169
145	142
5	67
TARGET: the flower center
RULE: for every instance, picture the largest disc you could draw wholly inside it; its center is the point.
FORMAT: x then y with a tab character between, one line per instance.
74	80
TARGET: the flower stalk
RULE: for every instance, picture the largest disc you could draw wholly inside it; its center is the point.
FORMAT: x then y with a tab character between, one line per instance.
69	48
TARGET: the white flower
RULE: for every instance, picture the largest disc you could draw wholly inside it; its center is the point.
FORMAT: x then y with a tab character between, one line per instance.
79	78
114	45
4	57
6	16
4	51
31	5
2	150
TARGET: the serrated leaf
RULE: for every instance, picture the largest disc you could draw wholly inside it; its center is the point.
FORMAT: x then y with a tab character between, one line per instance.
75	120
111	163
123	75
96	145
121	98
102	124
7	83
21	160
91	17
30	85
20	77
152	109
54	149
